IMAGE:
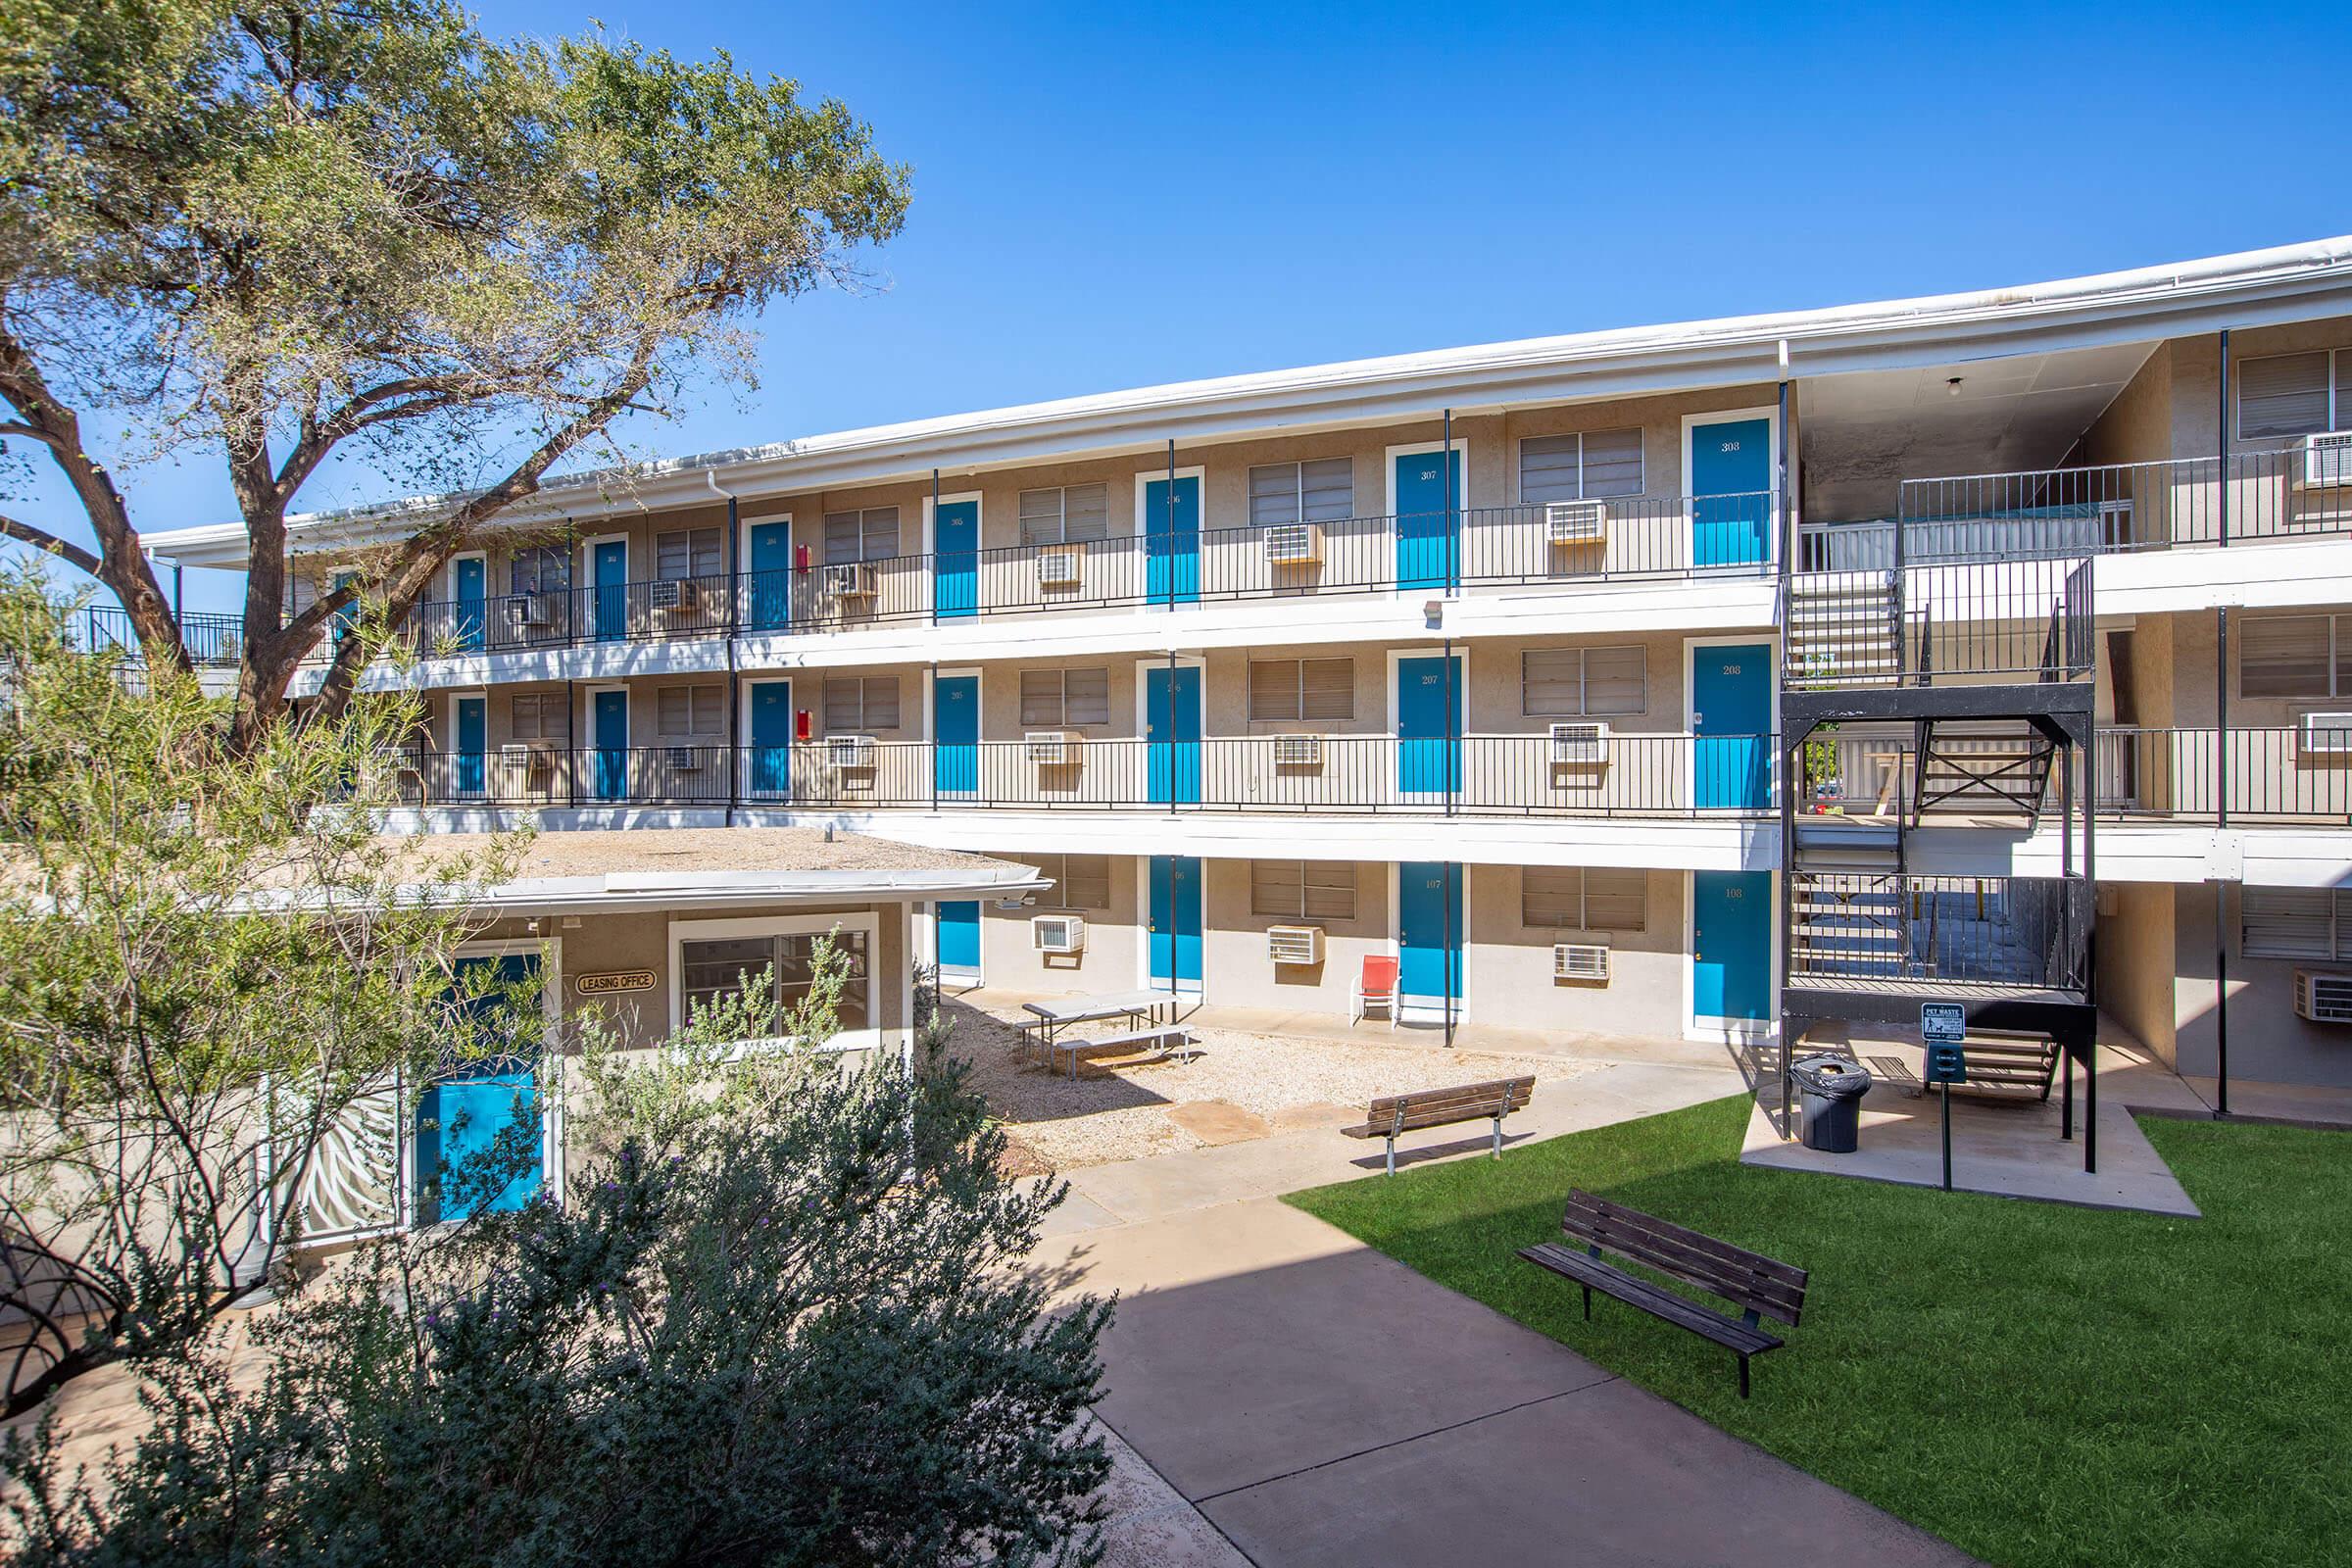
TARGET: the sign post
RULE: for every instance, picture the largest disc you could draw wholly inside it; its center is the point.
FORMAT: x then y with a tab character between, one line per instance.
1944	1027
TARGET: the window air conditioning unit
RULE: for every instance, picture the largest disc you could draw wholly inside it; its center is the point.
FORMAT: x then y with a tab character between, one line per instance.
678	596
1057	933
2327	735
2323	998
1293	544
1295	944
849	751
1576	523
2326	458
852	580
1052	748
1579	744
1060	569
682	758
531	612
1579	960
1297	751
532	757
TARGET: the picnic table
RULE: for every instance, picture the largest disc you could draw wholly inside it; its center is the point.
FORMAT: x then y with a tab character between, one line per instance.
1053	1017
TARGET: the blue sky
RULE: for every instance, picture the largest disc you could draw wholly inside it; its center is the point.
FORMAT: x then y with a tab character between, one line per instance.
1114	196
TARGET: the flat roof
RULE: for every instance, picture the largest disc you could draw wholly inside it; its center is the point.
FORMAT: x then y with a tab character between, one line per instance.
2247	288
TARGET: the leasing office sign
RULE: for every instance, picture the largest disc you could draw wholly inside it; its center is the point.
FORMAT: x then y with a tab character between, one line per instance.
614	981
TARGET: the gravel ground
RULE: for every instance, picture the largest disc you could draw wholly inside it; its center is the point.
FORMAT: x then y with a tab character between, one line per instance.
1129	1112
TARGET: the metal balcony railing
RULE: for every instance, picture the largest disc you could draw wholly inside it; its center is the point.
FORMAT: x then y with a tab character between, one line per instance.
212	639
1935	932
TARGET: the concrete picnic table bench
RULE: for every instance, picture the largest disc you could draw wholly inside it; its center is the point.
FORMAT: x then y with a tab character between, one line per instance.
1050	1017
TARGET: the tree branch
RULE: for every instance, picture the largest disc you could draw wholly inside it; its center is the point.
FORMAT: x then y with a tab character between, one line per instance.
73	555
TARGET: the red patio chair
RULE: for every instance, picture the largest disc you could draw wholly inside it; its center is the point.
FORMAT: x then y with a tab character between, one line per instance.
1376	987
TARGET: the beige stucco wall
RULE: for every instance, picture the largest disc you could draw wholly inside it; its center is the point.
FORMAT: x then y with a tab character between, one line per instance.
2268	1043
2137	943
1113	955
1507	970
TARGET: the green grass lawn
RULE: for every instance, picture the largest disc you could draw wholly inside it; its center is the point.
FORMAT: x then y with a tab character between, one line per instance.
2038	1384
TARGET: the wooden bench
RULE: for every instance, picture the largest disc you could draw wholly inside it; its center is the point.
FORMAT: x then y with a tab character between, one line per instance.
2000	1063
1171	1039
1760	1286
1392	1114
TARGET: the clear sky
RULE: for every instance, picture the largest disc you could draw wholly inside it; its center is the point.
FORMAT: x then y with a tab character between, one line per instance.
1110	196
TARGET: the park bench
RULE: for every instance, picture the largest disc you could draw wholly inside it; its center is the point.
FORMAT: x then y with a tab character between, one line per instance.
1167	1039
2000	1062
1392	1114
1760	1286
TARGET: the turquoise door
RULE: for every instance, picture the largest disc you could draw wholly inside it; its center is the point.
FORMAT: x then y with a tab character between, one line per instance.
770	769
1731	714
1172	542
1731	485
1429	930
609	570
955	734
608	729
470	718
349	615
1428	539
1731	943
1172	729
1175	920
470	578
467	1160
956	560
767	596
960	939
1429	724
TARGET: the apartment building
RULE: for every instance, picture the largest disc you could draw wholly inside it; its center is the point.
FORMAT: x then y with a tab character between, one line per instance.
1694	680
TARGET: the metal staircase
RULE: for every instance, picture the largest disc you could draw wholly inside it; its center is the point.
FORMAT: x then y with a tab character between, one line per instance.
1982	767
1842	628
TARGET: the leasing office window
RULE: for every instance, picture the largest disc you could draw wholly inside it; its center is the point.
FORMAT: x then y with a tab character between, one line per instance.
1301	689
687	710
1581	467
1303	889
2295	655
1583	682
1080	881
1052	698
688	553
1572	898
1066	516
1322	491
861	705
538	716
868	535
2295	394
2295	924
709	970
540	569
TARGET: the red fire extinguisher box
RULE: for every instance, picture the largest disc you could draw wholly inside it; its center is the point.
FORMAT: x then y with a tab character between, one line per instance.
802	727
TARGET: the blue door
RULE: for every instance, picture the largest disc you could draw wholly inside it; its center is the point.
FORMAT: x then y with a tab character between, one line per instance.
1731	943
771	738
1429	538
1172	729
955	734
1731	485
349	615
956	559
1172	541
960	939
767	596
609	570
470	577
471	742
1429	930
1731	714
1175	920
461	1117
608	729
1429	724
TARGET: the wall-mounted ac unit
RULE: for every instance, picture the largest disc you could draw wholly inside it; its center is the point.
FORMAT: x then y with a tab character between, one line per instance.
853	579
1295	944
1293	544
531	612
2327	735
1057	933
1060	569
532	757
2326	458
1052	748
1579	744
682	758
1297	751
1579	960
849	751
1576	523
2323	998
680	596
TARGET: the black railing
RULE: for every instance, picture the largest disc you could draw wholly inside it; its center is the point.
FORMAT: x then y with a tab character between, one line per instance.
212	639
1997	933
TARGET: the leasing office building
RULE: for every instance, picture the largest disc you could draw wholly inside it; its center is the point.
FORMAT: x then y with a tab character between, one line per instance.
1668	680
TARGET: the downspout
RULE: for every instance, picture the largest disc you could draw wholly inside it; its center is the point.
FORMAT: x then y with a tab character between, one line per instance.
2220	769
734	626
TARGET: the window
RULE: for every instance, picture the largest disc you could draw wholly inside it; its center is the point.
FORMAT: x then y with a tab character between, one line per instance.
538	716
856	705
711	970
1068	516
540	569
2295	394
1583	682
2295	655
868	535
1301	689
1080	881
1572	898
690	710
688	553
1053	697
1303	889
1322	491
1581	467
2295	922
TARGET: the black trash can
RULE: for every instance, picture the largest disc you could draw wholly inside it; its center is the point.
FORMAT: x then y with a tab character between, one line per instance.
1829	1093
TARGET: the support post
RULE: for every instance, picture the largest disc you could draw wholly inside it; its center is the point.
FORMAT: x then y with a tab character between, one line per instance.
935	546
1946	1090
2221	763
734	670
1447	478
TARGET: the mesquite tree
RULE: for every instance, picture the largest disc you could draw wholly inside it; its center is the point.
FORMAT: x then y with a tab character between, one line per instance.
268	233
